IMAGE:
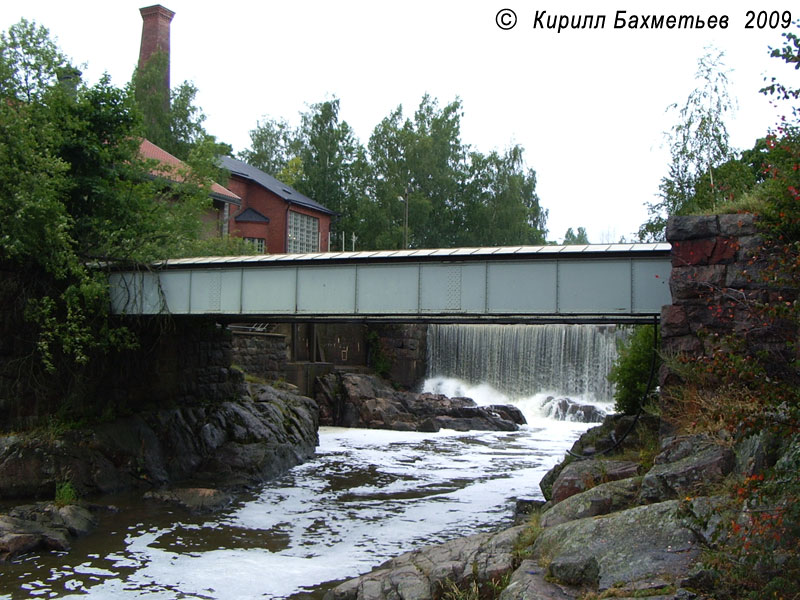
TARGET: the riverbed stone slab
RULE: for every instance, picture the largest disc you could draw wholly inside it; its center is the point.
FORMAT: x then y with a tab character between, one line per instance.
76	519
421	574
362	400
529	582
194	499
20	536
581	475
686	466
601	500
645	544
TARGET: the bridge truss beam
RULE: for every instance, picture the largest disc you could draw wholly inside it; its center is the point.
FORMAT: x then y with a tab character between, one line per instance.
544	284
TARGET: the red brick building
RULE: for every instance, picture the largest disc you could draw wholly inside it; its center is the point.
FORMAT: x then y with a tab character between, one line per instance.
274	216
224	202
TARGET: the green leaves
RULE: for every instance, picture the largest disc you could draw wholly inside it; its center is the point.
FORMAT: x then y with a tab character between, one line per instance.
455	196
698	145
74	195
630	372
29	62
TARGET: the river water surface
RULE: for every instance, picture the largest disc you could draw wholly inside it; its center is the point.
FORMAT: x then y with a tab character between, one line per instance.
367	496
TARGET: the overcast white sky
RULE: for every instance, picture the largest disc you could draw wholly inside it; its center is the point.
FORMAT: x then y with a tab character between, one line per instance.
588	106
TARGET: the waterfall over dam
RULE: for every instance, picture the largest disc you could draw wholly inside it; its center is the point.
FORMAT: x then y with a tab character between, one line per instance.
524	360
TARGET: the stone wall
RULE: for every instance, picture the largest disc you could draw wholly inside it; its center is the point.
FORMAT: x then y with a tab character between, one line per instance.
261	354
717	280
181	361
406	348
178	362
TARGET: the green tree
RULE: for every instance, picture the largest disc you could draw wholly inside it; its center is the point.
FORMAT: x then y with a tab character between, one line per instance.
498	204
272	146
29	62
636	365
790	54
322	158
383	214
698	145
572	238
417	164
420	161
171	119
334	165
75	195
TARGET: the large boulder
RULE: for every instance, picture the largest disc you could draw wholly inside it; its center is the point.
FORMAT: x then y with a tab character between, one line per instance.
358	400
239	442
530	582
644	547
566	409
581	475
686	466
42	527
601	500
617	432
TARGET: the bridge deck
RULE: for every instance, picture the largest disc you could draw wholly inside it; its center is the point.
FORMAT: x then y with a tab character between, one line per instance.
594	283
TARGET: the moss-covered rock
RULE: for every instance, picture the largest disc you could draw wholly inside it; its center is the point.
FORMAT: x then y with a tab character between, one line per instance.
687	465
600	500
645	544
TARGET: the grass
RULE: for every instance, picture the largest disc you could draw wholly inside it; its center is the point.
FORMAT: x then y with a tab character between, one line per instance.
524	543
644	451
717	412
66	493
473	589
621	592
750	202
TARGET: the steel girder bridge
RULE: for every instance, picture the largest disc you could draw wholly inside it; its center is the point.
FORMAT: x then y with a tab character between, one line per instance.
609	283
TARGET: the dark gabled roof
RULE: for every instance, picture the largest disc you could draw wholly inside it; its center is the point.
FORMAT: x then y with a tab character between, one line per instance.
280	189
250	215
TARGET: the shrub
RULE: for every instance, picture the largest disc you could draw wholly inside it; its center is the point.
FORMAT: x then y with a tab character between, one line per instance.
631	371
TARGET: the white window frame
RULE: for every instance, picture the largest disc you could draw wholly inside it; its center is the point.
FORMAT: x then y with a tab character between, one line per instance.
260	244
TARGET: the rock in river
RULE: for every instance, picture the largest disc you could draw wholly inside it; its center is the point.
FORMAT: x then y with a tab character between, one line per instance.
355	400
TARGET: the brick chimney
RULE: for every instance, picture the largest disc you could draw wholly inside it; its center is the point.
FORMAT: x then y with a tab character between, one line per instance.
155	35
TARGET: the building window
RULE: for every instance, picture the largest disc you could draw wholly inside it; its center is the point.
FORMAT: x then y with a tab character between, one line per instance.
258	243
303	233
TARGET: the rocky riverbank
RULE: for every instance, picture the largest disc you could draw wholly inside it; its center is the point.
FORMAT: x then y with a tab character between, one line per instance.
625	525
212	447
239	442
195	456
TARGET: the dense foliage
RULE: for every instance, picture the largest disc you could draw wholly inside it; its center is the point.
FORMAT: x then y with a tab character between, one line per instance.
637	364
75	195
172	120
415	166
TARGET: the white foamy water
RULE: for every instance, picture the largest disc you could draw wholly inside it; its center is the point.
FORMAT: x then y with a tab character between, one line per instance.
537	408
367	496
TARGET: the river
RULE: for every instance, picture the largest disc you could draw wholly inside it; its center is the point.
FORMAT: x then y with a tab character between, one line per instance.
366	496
